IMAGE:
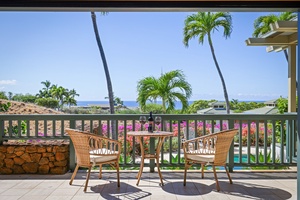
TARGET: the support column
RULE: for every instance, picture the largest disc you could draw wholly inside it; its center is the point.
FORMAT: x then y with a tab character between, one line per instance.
292	79
298	116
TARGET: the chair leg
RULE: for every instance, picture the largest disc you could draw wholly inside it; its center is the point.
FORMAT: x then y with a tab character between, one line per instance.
202	170
216	178
230	181
118	173
100	171
87	179
74	174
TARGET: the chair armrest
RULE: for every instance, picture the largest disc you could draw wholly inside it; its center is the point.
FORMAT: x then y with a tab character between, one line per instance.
200	145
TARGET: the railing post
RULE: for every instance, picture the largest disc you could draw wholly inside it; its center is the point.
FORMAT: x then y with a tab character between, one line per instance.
231	150
71	149
152	149
287	142
1	131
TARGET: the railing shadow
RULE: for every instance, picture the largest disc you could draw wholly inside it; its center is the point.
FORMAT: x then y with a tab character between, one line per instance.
125	191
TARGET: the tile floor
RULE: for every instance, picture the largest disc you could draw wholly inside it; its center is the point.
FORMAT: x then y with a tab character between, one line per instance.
246	185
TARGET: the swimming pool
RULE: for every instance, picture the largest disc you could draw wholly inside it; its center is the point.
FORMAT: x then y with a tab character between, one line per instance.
237	158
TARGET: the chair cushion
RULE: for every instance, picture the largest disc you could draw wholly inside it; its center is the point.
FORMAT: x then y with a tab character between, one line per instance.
95	157
201	158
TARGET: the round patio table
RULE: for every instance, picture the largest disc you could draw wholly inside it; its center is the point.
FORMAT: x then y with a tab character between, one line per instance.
161	135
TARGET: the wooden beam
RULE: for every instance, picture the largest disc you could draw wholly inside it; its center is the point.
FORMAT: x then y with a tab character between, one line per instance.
277	41
151	5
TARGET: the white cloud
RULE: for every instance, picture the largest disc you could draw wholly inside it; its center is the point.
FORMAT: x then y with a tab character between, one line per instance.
8	82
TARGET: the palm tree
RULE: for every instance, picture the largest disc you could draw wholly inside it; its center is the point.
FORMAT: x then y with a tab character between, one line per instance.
204	24
262	24
169	87
45	90
105	66
70	97
72	93
60	93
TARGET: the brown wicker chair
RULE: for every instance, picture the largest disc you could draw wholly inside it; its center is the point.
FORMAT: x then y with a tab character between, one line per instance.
210	149
91	150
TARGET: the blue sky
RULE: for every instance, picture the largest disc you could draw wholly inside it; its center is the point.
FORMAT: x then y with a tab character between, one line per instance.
61	47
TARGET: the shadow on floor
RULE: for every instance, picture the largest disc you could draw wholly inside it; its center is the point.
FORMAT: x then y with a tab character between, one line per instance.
125	191
247	190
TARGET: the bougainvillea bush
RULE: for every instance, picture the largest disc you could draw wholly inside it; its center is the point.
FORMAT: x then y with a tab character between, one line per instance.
198	129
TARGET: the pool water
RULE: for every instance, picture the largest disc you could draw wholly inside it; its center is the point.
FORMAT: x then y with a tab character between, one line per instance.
237	158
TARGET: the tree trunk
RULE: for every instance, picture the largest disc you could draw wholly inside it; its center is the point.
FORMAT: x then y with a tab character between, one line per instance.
109	84
286	55
220	74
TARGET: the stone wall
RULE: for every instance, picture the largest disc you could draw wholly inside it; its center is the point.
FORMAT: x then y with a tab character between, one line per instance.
34	159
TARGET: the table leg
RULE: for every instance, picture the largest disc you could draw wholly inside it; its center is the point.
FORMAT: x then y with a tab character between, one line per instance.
159	145
142	160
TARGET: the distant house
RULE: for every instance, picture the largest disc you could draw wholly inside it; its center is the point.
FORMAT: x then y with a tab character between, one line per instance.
270	108
218	107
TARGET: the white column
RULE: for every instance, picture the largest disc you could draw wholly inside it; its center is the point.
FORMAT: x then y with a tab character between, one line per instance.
292	78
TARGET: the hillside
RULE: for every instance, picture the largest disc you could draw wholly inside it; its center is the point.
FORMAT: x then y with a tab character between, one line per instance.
27	108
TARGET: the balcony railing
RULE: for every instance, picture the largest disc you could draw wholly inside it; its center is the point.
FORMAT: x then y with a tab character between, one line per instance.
262	141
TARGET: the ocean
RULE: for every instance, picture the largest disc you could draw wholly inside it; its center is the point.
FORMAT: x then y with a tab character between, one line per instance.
131	104
134	104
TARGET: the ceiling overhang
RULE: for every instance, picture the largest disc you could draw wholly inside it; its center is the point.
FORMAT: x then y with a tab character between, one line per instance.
149	5
281	35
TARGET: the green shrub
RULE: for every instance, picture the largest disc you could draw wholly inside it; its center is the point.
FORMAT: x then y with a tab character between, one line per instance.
47	102
27	98
261	159
3	95
155	108
15	128
4	106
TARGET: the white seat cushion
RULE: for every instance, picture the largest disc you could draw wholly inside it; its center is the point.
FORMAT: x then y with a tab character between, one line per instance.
107	155
201	158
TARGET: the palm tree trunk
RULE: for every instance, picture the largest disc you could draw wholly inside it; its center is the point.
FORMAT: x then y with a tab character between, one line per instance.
220	74
109	84
164	106
286	55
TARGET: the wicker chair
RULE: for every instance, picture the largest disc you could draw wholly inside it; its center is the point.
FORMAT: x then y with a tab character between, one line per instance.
210	149
91	150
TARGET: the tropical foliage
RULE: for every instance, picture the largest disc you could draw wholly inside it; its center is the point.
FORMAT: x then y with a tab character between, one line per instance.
198	105
169	87
3	95
203	24
54	96
4	106
256	134
282	105
269	159
262	24
243	106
